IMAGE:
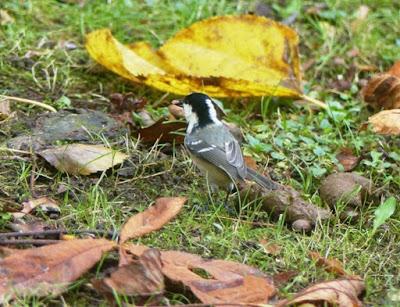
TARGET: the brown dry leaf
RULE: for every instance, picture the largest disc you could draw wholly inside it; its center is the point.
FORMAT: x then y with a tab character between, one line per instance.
26	223
282	278
44	202
210	57
347	159
229	282
270	248
82	159
49	269
142	277
395	69
383	90
152	218
340	292
250	162
330	265
386	122
164	131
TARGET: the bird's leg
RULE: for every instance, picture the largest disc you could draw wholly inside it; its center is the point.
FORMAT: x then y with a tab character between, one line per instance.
228	208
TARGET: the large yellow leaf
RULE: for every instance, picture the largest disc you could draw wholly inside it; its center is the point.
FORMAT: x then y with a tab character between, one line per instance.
221	56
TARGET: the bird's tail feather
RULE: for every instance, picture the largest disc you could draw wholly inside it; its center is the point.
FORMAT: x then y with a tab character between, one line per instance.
261	180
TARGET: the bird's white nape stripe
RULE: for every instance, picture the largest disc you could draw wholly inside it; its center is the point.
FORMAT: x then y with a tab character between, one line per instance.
191	117
212	112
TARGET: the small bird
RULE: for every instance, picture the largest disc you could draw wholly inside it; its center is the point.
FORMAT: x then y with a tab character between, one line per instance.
213	148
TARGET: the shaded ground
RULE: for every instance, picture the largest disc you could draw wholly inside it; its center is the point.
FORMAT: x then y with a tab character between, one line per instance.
42	57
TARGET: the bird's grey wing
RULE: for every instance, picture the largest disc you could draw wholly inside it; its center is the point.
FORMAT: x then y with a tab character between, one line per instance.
235	157
217	156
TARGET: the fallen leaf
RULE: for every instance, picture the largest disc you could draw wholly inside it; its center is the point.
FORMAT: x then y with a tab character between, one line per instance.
26	223
46	204
330	265
340	292
127	102
282	278
347	159
142	277
270	248
163	131
383	90
250	162
49	269
82	159
153	218
210	57
228	281
386	122
395	69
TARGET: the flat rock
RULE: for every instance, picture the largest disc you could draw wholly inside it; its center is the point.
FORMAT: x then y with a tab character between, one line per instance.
79	125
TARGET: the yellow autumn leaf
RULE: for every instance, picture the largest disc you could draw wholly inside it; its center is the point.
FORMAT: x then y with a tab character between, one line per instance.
222	56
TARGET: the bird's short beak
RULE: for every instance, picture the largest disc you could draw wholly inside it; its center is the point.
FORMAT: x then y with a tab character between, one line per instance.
178	102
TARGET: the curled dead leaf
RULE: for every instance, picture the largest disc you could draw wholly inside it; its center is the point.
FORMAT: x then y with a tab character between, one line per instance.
45	203
152	218
347	159
48	270
383	90
330	265
228	281
142	277
82	159
386	122
341	293
210	57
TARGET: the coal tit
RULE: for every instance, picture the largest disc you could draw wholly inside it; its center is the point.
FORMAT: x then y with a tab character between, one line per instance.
213	148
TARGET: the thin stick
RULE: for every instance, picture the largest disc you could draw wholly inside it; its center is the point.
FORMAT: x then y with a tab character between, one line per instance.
33	102
314	101
33	242
15	150
55	232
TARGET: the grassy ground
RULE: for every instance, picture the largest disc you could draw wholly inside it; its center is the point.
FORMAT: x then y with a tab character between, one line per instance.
297	145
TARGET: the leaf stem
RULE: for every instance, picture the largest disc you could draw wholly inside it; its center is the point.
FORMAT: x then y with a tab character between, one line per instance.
314	101
29	101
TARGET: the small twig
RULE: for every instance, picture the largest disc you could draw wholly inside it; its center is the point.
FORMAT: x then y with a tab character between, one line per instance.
15	150
314	101
55	232
32	242
33	102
